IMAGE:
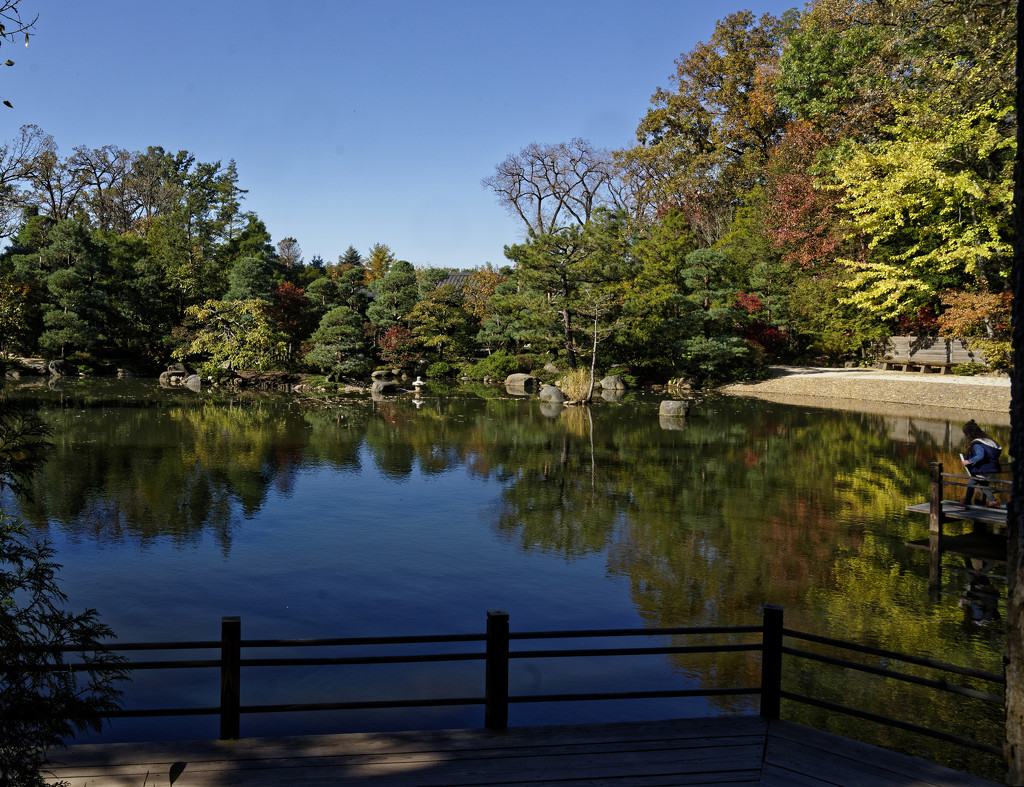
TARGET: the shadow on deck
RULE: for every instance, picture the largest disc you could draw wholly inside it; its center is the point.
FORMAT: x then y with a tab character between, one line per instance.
725	750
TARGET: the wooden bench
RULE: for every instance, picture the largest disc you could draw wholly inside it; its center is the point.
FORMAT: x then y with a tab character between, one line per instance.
928	354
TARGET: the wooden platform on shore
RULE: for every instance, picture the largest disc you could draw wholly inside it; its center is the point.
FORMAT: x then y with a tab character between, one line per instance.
724	750
952	509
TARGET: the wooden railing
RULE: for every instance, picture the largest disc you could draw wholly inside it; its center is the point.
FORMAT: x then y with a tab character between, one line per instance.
938	481
497	652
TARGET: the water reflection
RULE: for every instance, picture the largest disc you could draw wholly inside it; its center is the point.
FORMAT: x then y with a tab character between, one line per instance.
416	501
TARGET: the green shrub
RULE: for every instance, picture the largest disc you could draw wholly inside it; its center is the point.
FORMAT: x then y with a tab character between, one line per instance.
441	369
498	364
968	369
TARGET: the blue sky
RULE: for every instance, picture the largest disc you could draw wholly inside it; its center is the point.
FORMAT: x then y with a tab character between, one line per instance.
354	123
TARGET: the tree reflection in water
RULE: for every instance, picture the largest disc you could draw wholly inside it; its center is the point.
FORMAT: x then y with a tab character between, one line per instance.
700	521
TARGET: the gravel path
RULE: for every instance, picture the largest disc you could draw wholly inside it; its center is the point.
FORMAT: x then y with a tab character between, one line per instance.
872	390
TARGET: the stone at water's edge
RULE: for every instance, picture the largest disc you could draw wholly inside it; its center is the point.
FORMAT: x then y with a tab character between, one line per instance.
550	393
524	382
674	408
613	382
60	368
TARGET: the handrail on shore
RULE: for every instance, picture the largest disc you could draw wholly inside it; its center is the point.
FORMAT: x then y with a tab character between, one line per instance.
769	639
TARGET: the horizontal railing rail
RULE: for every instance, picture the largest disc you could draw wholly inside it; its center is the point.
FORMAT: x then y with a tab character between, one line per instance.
498	647
893	674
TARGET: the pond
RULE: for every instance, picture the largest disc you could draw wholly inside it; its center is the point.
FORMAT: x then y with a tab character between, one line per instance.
357	517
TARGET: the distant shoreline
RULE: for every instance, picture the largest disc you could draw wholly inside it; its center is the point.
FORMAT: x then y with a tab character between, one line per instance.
901	394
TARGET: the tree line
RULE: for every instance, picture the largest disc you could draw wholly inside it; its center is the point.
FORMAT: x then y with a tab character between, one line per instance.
806	186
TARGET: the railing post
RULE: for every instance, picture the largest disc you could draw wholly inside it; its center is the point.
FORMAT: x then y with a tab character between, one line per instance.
230	677
771	662
496	677
935	517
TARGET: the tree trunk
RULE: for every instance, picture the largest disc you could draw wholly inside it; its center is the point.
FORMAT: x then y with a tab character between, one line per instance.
570	351
1014	743
593	362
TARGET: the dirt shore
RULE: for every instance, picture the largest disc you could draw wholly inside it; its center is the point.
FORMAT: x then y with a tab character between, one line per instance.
946	396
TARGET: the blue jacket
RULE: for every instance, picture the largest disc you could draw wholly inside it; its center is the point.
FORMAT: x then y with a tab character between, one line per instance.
983	456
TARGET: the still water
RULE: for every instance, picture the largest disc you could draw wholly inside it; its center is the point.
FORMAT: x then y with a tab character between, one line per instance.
354	517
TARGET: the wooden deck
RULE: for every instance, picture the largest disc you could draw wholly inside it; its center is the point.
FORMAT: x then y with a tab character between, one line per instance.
731	750
952	509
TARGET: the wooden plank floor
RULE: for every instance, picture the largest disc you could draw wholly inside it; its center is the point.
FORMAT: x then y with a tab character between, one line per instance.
952	509
732	750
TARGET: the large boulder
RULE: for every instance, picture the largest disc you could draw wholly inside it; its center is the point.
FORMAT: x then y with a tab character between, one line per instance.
550	393
32	365
60	368
384	387
193	382
171	378
522	383
384	374
674	408
613	383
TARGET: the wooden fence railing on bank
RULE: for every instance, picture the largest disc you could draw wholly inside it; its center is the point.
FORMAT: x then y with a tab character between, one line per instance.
769	639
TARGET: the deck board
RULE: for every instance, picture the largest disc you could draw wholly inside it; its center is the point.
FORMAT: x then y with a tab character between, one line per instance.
729	750
952	509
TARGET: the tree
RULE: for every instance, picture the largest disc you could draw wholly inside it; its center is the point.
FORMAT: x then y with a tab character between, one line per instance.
905	110
13	313
378	263
398	347
703	143
440	321
394	297
140	317
323	294
510	323
654	306
250	277
479	288
797	208
55	182
340	346
235	334
550	267
75	299
350	259
932	204
104	172
45	702
290	253
290	310
16	160
429	279
550	186
710	348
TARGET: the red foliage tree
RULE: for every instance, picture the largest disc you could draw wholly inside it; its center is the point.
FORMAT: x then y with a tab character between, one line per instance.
291	311
800	216
398	347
